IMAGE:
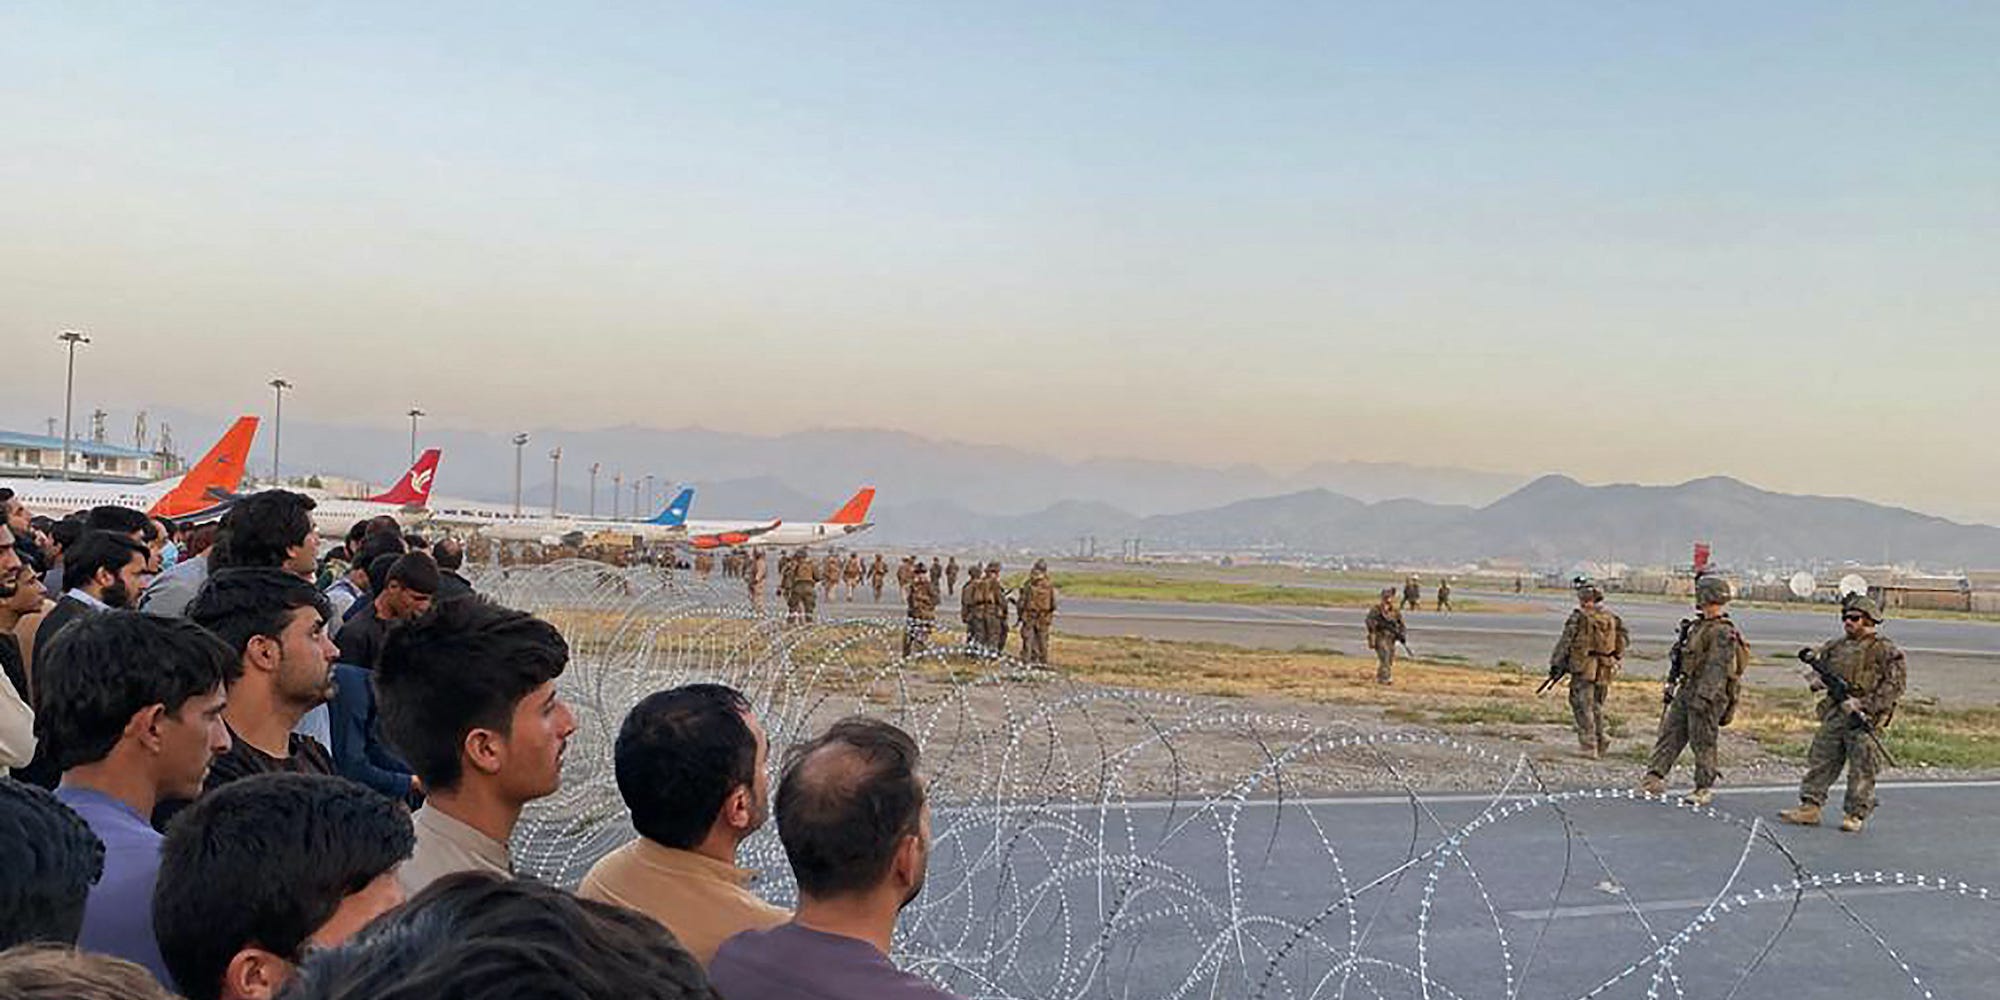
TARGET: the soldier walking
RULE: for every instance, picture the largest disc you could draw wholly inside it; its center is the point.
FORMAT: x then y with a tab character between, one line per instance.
1037	604
788	569
995	609
1592	646
923	602
975	627
829	574
905	572
805	584
1413	595
1868	671
851	574
876	573
1385	629
1705	672
951	576
756	573
1444	595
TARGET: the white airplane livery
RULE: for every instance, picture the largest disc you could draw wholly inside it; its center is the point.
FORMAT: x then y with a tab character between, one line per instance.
849	519
669	525
192	496
407	501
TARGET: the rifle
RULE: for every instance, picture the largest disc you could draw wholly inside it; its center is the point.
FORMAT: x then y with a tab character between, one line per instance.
1403	637
1675	655
1839	690
1557	672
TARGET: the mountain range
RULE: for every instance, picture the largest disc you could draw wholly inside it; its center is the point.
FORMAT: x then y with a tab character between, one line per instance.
944	492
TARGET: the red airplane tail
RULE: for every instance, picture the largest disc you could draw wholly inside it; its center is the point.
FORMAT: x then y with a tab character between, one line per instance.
219	470
856	510
414	489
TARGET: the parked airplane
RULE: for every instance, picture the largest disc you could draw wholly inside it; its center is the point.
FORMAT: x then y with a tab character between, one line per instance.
849	519
406	501
669	525
191	496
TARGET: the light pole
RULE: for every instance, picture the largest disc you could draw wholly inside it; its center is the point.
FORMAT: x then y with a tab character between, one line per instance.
278	387
593	489
555	479
413	415
617	492
648	509
520	442
635	499
72	338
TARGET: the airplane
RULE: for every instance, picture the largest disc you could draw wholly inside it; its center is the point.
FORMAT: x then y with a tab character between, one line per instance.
669	525
407	501
849	519
189	497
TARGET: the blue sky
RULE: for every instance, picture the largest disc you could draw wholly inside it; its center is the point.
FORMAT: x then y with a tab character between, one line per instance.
1623	241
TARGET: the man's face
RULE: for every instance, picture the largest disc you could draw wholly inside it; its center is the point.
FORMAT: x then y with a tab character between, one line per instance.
10	560
302	559
1855	624
305	660
760	783
404	603
534	746
923	850
126	585
189	740
18	516
23	593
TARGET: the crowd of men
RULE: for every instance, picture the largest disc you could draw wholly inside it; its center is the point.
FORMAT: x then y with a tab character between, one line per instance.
239	769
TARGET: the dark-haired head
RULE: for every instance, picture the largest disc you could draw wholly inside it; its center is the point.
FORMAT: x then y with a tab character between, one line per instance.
261	868
149	690
467	692
271	528
476	935
852	814
107	565
408	584
123	520
276	623
51	859
688	758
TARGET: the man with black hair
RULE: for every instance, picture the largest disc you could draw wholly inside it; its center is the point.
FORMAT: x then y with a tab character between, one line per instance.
258	872
18	519
477	935
119	520
855	822
450	555
344	594
271	528
105	571
276	623
690	766
468	695
401	587
51	859
128	730
62	535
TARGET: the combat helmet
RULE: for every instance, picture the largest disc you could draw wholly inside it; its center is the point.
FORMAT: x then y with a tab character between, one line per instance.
1864	604
1711	590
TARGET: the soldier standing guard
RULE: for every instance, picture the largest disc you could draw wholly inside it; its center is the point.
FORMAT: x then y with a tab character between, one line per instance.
951	575
1444	595
1592	646
1037	604
1868	672
756	573
876	572
1385	629
923	602
805	580
975	626
1413	595
1704	674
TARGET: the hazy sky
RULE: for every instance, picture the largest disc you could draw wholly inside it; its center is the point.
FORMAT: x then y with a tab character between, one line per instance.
1623	241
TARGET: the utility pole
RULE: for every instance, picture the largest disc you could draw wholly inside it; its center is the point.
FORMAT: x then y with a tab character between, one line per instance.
635	499
414	414
97	425
278	387
72	338
617	492
648	509
593	490
520	442
555	479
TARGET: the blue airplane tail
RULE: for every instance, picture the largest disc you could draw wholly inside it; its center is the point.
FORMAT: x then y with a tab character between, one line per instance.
676	513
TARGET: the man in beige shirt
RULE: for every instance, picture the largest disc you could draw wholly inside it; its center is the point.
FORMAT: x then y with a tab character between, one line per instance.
467	693
690	765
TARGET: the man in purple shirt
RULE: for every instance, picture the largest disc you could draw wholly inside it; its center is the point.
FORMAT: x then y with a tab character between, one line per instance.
134	706
856	826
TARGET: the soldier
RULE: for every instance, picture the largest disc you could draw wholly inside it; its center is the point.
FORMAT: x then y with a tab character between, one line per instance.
788	568
829	574
756	573
1385	629
1870	674
937	574
1593	643
851	576
876	573
951	576
975	626
1413	595
905	572
993	607
1444	595
923	602
1706	669
805	579
1037	604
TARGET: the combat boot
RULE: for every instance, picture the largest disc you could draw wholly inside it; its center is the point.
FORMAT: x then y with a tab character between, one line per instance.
1653	784
1588	750
1700	797
1603	747
1852	824
1803	814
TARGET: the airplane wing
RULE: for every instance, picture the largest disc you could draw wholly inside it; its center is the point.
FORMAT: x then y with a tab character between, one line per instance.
732	537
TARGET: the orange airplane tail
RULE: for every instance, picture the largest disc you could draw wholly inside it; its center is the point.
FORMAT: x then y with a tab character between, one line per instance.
219	470
415	486
856	510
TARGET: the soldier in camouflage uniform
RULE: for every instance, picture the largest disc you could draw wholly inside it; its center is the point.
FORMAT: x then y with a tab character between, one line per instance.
905	572
805	581
1037	609
1413	595
1444	595
1850	731
923	602
951	575
993	607
829	574
1385	628
1702	698
975	626
876	572
787	565
755	574
1593	643
850	574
